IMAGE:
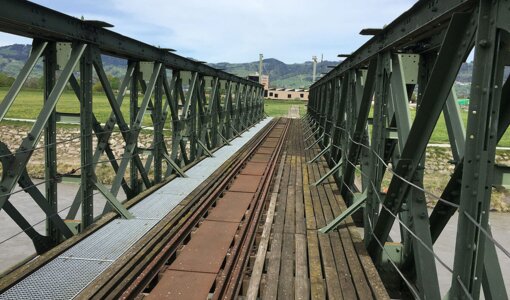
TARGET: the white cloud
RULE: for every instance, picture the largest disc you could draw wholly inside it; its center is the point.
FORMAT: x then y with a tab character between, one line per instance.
237	30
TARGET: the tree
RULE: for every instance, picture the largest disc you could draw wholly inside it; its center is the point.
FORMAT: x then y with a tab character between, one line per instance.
114	83
6	80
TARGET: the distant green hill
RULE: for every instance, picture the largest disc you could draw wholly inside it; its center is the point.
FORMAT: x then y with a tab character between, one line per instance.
280	73
12	58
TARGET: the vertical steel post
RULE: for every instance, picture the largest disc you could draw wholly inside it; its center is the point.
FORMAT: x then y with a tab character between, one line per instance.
158	120
133	111
375	169
87	152
50	139
479	158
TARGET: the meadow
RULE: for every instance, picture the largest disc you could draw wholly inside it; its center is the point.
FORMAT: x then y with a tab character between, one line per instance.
29	103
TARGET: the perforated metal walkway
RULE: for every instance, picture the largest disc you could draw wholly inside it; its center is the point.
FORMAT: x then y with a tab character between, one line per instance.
68	274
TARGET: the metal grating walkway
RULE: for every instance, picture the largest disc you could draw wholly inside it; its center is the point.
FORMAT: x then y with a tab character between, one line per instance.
67	275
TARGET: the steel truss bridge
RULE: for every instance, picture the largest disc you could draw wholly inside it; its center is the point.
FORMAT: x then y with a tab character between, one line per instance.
293	235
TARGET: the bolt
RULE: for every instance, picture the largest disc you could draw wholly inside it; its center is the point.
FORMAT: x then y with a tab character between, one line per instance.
483	43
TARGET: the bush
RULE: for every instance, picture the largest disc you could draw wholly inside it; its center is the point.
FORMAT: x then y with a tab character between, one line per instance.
5	80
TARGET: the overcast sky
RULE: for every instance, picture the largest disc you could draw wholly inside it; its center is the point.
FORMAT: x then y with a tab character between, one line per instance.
238	30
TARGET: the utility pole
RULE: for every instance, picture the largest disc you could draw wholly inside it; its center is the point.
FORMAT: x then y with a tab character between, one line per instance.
260	67
314	62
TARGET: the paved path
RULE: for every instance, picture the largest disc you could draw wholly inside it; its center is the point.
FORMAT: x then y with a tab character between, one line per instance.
293	112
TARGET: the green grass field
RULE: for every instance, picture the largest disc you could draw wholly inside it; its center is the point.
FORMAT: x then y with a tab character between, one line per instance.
29	103
280	108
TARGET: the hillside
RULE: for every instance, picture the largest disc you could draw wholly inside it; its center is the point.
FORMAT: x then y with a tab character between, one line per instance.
280	73
297	75
12	58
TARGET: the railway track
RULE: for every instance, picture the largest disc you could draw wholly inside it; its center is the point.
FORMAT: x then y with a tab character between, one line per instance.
206	240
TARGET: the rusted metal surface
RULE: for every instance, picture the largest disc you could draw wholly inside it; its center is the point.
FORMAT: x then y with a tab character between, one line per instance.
202	249
260	157
239	208
207	248
270	144
254	168
182	285
265	150
231	207
229	283
273	138
246	183
136	270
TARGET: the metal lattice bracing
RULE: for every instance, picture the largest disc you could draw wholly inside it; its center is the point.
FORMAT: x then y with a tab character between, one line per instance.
189	108
361	118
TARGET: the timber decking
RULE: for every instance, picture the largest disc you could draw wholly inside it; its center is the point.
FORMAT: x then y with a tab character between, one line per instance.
298	262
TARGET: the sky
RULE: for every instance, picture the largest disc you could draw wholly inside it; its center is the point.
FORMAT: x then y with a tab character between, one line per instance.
236	30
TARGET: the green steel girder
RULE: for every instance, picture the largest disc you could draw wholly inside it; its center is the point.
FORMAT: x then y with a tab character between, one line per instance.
50	139
86	192
412	26
22	156
201	118
453	52
490	59
407	53
38	49
353	148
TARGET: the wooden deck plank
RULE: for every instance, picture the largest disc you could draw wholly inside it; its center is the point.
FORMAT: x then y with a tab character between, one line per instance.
258	266
331	209
286	280
290	211
273	267
302	263
356	269
307	198
322	214
302	282
317	286
300	209
275	254
343	259
302	286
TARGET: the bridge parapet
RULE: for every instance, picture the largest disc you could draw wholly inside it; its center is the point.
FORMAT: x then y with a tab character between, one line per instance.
361	118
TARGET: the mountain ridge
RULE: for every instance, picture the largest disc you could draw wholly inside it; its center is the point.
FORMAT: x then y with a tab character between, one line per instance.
281	75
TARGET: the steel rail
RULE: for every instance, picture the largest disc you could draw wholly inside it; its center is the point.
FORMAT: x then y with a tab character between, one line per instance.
227	285
138	268
32	263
